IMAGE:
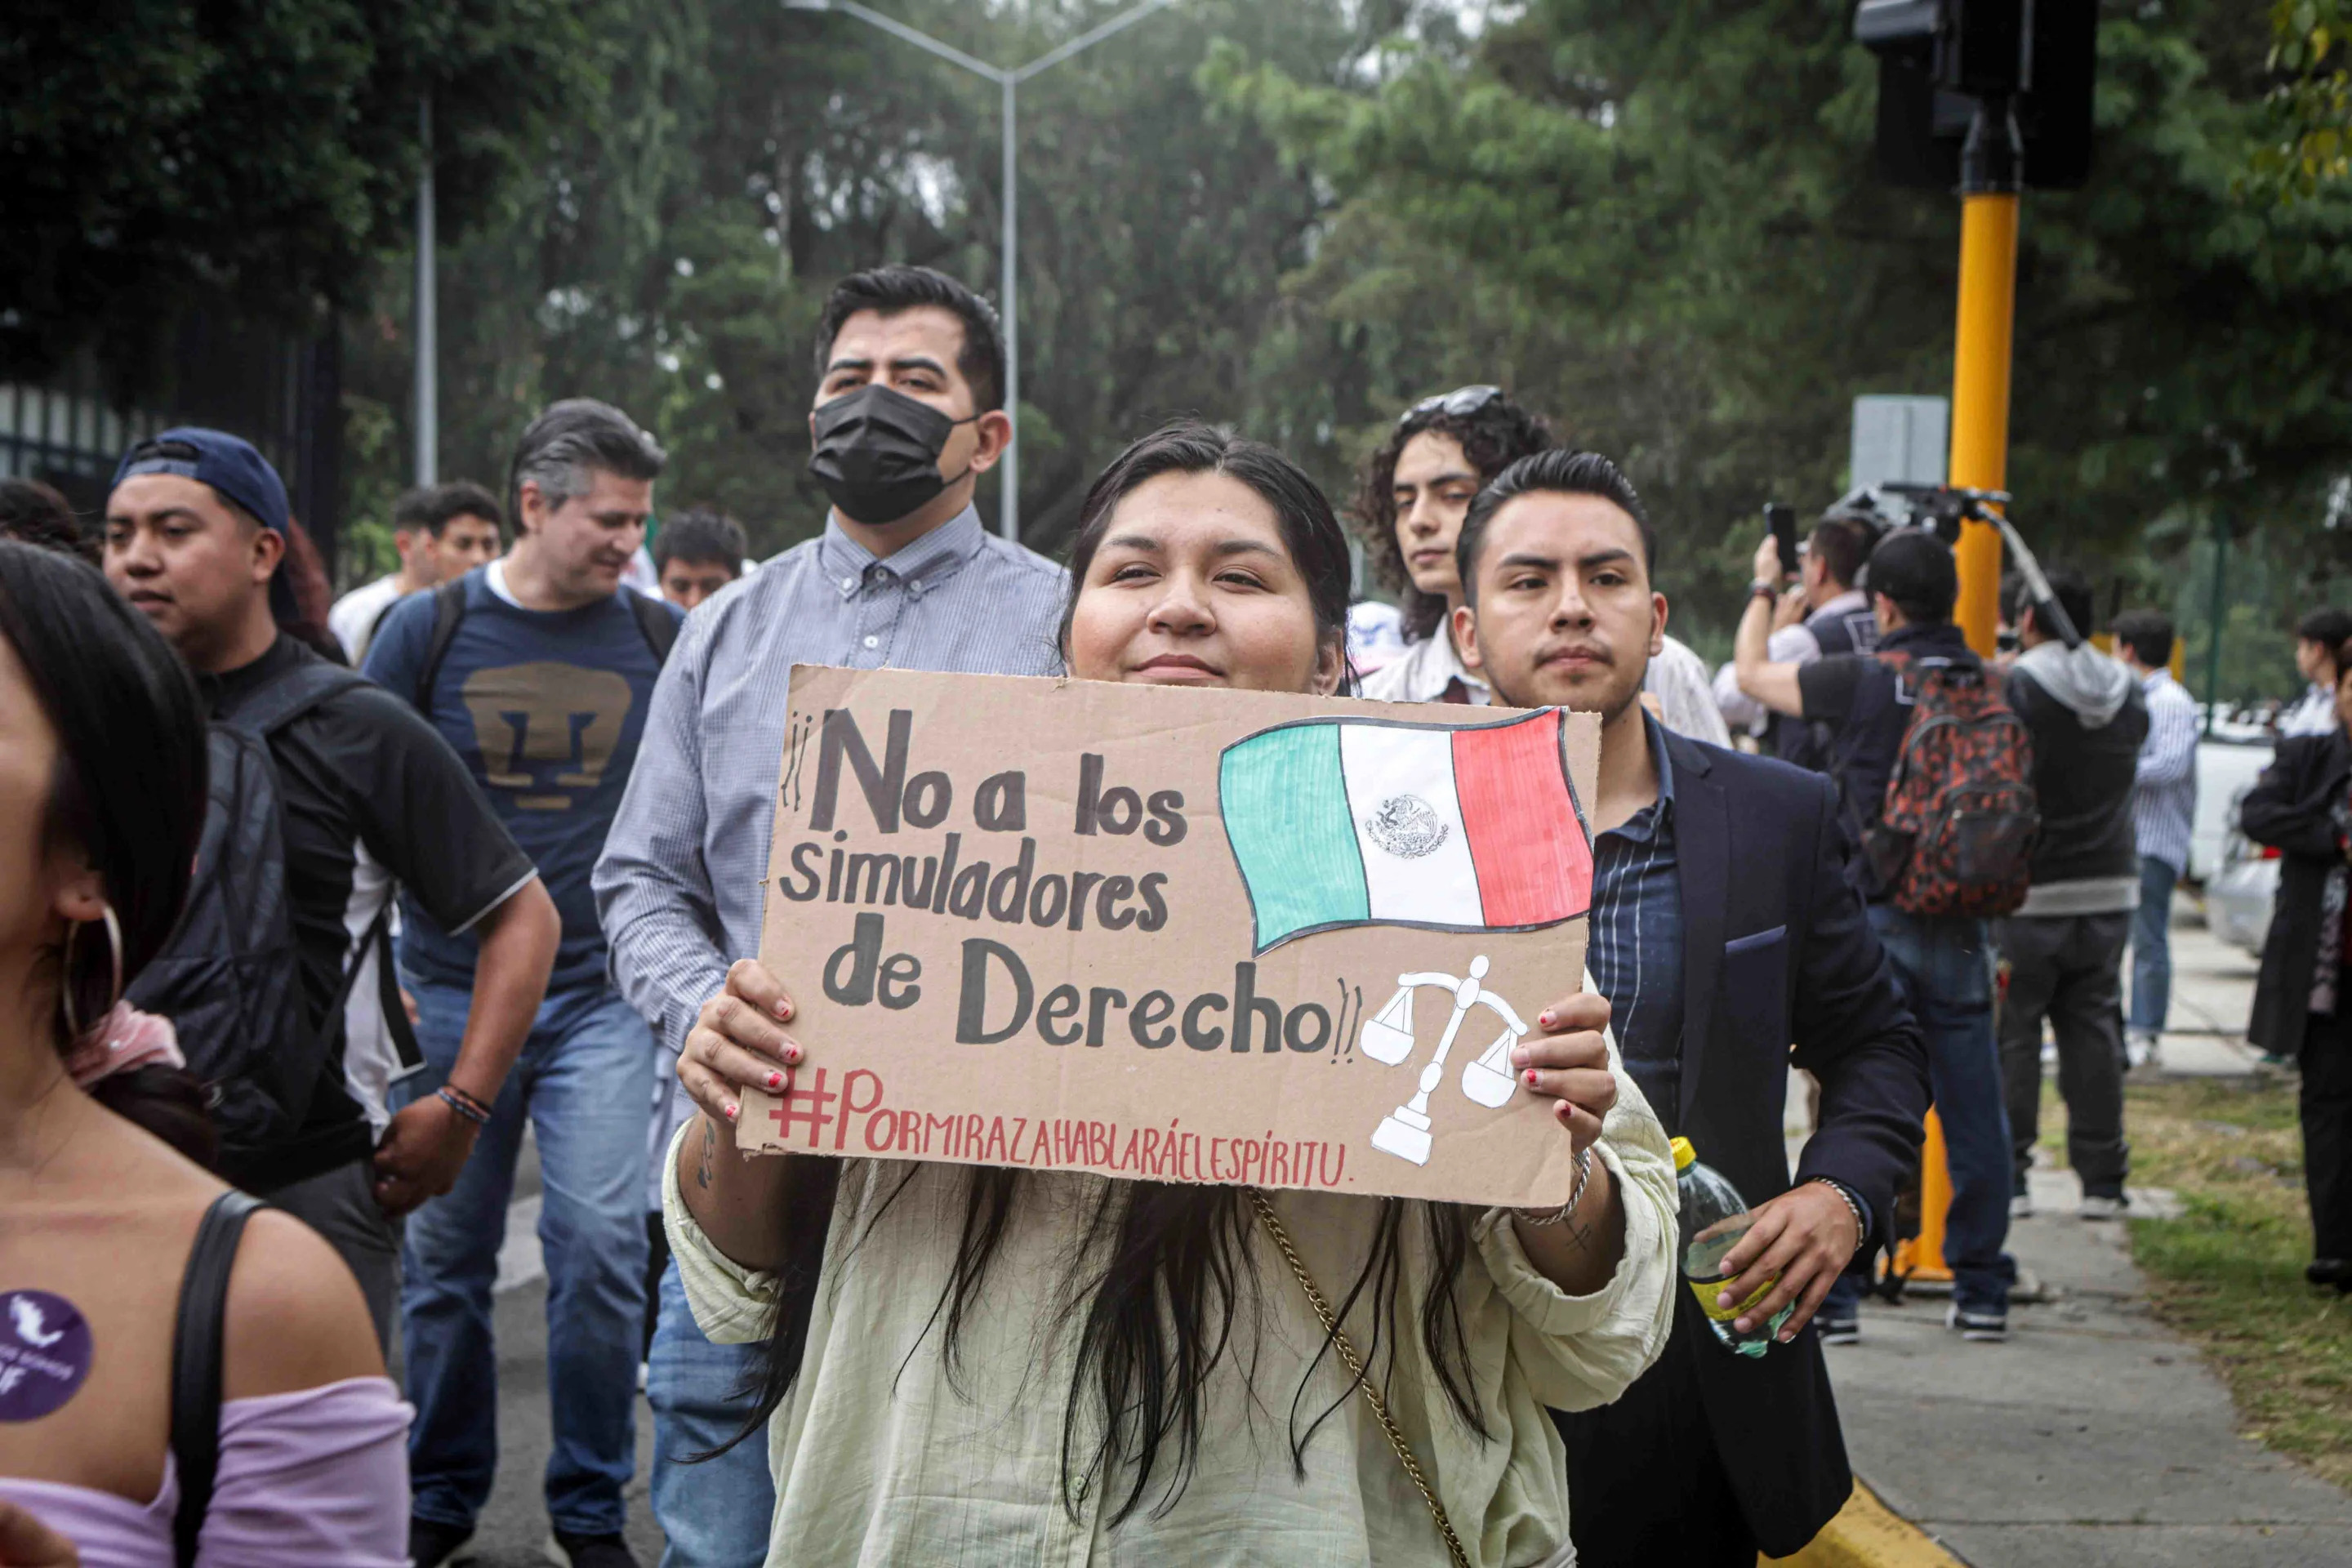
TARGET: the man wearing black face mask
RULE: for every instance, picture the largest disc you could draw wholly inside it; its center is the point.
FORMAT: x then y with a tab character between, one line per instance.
908	414
909	411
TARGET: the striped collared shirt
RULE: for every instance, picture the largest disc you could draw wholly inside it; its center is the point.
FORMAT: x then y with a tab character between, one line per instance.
2164	790
680	886
1635	951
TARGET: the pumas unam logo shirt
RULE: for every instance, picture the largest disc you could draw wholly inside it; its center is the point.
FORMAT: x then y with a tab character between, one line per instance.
546	708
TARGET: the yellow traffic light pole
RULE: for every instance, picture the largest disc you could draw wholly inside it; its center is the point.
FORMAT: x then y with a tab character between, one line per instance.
1980	458
1990	182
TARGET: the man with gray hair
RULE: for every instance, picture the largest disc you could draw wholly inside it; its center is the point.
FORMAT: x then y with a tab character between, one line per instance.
539	669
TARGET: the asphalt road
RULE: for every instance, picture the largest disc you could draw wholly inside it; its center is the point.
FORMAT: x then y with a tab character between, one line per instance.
513	1529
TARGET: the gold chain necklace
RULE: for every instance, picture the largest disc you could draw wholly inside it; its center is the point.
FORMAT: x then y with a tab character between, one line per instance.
1264	1206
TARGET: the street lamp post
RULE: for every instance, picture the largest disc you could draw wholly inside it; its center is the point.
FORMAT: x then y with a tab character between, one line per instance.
1009	82
428	332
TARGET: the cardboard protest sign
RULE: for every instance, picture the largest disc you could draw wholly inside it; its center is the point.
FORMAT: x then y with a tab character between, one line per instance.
1174	934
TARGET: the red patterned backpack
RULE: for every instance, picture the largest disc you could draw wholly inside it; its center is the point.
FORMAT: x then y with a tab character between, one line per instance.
1958	829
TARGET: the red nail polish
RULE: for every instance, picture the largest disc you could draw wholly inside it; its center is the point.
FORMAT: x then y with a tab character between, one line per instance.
1531	1078
1545	1020
731	1109
775	1080
783	1010
793	1054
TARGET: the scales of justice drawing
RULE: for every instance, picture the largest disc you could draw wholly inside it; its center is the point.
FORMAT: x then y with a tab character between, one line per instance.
1340	823
1387	1038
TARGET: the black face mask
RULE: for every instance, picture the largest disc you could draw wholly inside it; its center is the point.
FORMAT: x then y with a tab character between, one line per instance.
877	453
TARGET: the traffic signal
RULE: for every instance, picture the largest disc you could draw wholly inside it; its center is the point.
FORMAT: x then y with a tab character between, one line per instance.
1938	59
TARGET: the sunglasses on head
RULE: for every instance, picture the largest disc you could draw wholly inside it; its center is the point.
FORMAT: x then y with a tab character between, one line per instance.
1460	404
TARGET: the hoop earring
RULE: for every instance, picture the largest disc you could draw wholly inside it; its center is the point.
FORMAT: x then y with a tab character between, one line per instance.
65	986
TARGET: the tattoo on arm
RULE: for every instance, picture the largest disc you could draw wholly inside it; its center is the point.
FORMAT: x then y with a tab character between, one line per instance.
709	1147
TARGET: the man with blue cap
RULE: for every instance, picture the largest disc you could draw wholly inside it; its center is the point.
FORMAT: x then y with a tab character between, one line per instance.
366	798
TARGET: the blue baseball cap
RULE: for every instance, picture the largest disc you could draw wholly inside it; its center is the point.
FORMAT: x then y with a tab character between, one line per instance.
228	463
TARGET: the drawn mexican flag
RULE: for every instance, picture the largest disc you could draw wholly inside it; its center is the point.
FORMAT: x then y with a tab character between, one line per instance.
1341	822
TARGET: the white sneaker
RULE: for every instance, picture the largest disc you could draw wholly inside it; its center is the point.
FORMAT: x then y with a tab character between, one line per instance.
2143	1051
2094	1208
2021	1206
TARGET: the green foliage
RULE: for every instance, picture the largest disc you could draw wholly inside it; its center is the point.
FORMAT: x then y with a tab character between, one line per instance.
162	152
673	255
1654	219
2310	139
1658	220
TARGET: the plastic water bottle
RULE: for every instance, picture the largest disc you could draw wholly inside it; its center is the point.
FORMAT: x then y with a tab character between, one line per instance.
1714	1218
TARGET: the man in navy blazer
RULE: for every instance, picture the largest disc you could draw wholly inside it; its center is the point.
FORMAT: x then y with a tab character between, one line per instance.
1724	928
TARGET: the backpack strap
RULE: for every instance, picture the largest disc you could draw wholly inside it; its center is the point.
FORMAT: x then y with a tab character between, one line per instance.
407	1054
654	623
654	619
375	938
292	695
448	609
196	1365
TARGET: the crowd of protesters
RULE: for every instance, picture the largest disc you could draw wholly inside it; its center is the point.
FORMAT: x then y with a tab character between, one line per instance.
329	906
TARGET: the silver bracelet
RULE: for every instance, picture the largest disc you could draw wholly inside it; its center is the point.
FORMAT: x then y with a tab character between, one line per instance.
1575	1194
1861	1231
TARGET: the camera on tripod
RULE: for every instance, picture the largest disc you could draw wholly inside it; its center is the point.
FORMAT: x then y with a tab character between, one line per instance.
1882	509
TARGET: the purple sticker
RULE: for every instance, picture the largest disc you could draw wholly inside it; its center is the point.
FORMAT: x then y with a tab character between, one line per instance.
44	1353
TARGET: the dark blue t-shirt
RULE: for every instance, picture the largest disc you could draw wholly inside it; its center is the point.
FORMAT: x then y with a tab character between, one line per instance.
545	707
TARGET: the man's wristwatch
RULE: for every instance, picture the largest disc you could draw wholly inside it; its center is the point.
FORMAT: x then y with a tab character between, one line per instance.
1760	589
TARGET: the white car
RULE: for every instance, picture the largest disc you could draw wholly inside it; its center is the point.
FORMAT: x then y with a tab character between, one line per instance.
2239	897
2228	762
2241	877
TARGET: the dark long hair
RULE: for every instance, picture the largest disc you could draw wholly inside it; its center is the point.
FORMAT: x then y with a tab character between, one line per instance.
300	595
1492	437
1165	1271
129	790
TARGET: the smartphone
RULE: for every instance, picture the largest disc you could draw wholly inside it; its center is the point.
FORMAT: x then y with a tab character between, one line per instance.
1783	521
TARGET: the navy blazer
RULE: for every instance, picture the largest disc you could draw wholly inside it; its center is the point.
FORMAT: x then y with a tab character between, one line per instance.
1777	948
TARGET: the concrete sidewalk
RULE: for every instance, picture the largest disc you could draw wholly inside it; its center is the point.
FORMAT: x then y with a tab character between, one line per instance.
2212	997
2095	1436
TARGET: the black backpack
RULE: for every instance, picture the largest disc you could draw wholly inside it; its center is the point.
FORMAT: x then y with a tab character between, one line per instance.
230	979
655	622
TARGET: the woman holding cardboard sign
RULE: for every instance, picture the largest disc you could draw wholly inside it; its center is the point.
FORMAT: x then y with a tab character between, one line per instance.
1014	1366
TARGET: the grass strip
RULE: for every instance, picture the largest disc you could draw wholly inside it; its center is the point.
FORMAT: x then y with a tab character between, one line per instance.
2228	1274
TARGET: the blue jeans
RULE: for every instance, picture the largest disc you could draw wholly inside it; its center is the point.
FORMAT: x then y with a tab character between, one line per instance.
1944	966
714	1514
2151	996
583	1082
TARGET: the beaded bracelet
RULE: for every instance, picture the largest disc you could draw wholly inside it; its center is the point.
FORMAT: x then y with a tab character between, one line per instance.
1575	1194
465	1105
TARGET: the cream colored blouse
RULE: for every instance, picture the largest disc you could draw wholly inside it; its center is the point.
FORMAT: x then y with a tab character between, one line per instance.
883	1455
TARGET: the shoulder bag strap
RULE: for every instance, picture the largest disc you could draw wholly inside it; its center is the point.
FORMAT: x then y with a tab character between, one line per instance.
1355	1366
196	1365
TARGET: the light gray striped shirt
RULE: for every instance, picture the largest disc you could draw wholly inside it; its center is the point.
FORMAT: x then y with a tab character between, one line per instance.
679	886
2164	790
